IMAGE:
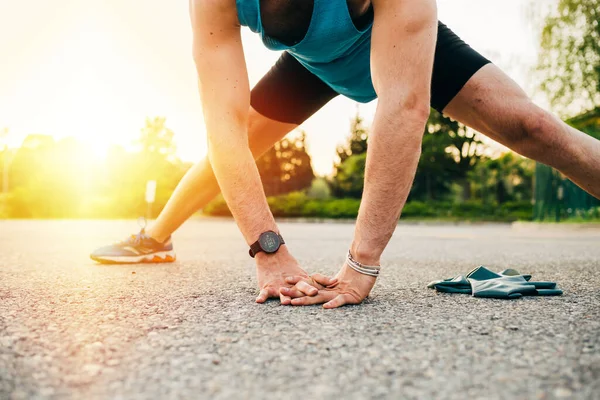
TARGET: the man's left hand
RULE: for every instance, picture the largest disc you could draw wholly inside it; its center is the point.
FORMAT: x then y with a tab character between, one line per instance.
351	287
273	270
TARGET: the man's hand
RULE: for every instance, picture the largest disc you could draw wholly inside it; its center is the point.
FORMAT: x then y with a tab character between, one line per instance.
350	287
273	270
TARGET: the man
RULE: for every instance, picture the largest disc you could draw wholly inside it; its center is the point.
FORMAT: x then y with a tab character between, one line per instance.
394	50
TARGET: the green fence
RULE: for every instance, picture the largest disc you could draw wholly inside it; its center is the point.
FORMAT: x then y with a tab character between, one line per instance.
557	198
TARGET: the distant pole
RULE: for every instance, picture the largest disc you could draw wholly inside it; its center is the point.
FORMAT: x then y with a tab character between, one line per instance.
150	197
559	195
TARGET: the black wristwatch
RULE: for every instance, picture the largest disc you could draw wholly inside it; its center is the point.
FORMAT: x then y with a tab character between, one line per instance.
269	242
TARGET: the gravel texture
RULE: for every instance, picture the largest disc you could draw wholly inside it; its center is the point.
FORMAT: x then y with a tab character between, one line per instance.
70	328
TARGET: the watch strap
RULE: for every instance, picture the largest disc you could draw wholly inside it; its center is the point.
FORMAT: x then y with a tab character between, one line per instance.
255	249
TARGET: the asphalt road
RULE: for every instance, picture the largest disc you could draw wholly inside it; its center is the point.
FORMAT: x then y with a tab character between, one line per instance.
70	328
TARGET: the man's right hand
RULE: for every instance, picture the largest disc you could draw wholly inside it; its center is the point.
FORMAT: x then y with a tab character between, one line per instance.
272	271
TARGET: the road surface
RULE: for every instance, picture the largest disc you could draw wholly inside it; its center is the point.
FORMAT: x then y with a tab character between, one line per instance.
70	328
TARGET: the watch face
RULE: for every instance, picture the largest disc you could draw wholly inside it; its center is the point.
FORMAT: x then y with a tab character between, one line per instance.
269	242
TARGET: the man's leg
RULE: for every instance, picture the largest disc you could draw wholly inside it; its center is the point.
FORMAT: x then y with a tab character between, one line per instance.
285	97
496	106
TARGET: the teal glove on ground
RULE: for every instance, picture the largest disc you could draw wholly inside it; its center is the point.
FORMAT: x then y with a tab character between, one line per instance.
508	284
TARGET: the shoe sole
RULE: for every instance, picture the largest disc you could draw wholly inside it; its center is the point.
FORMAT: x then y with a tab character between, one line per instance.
152	258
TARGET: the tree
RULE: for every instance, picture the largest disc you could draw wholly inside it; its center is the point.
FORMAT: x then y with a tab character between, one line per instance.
569	61
434	171
345	181
357	142
506	178
286	167
449	151
61	178
156	139
155	161
350	177
50	178
570	70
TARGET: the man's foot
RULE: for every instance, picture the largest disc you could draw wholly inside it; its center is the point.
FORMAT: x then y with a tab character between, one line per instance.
139	248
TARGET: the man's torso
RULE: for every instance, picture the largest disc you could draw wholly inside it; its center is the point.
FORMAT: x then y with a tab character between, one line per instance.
330	38
288	21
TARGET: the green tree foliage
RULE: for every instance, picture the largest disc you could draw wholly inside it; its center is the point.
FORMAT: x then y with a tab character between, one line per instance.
465	148
154	160
48	178
298	204
59	179
156	139
570	58
353	153
449	152
570	69
286	167
350	177
357	143
436	165
588	122
319	189
503	179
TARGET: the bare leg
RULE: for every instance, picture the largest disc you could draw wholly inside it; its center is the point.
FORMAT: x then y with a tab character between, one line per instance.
199	185
496	106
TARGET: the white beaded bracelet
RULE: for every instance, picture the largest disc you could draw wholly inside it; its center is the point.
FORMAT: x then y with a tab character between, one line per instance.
363	269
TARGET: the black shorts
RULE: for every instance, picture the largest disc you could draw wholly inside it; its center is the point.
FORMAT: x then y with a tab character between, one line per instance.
290	93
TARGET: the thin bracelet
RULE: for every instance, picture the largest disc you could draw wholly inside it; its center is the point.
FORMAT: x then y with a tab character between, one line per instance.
363	269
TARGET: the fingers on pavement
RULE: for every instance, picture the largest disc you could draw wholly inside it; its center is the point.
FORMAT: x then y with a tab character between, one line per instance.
292	280
324	280
340	300
322	297
285	300
306	288
291	292
301	289
267	293
262	296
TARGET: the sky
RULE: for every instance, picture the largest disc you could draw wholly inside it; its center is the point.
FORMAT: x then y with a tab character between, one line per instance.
95	70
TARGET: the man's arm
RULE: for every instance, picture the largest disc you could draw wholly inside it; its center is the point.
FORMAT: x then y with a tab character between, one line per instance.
402	50
403	46
225	93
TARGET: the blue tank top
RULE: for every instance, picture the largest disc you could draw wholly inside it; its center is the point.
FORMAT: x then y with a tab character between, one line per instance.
333	48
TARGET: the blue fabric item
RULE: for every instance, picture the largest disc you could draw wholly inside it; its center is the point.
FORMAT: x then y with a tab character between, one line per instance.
508	284
333	49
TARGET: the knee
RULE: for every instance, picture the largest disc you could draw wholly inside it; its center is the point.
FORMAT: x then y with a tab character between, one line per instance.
537	133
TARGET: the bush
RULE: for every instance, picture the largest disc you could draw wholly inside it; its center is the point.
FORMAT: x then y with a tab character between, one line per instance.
315	209
418	209
342	208
4	206
472	209
217	208
319	189
298	204
289	205
517	210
